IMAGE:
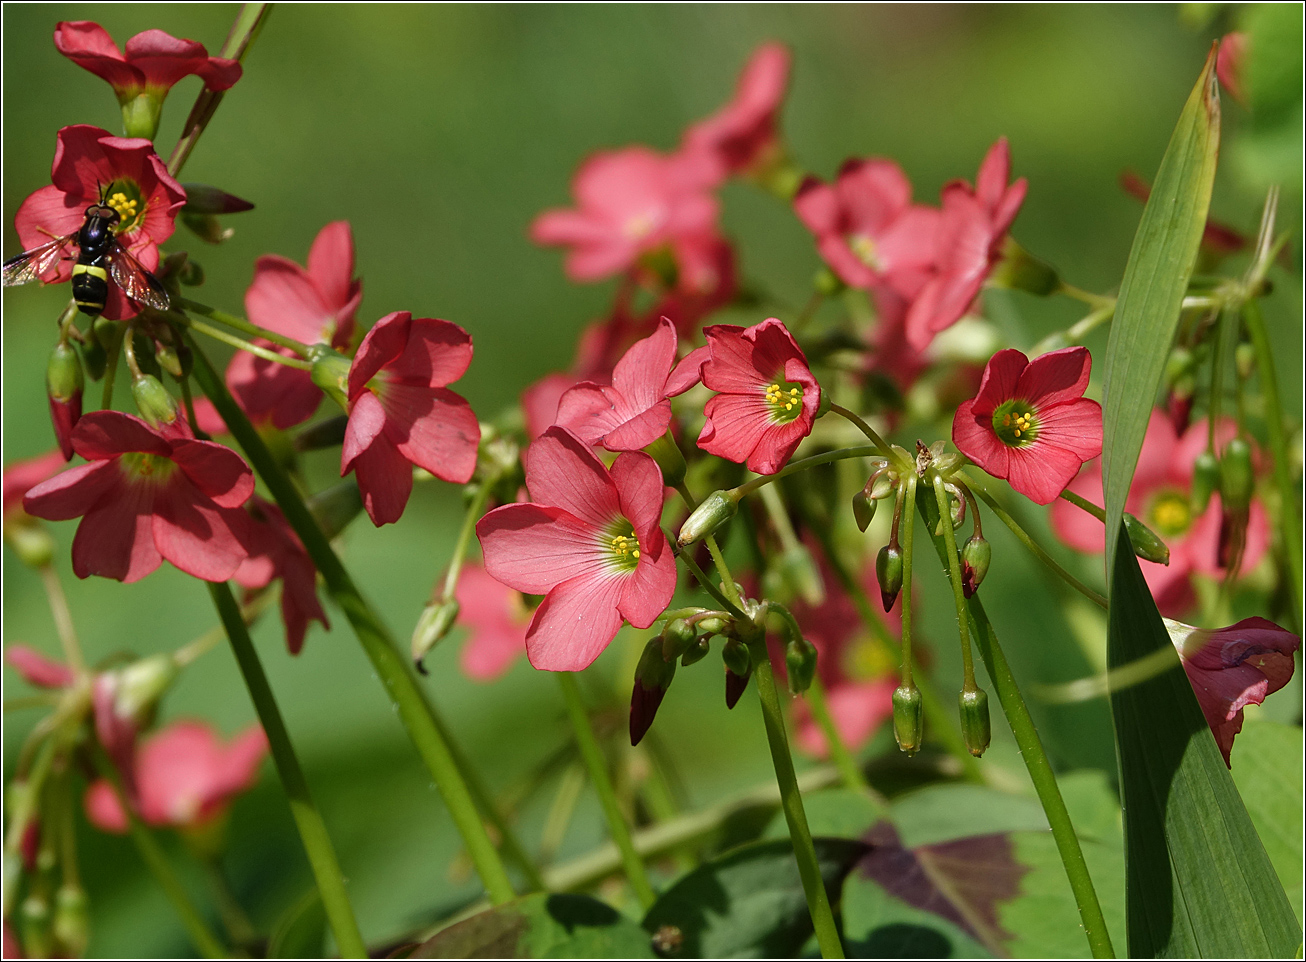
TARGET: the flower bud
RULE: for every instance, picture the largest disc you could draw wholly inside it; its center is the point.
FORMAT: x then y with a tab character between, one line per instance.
94	357
800	660
336	506
330	372
888	571
176	359
667	454
204	199
883	483
140	685
153	401
1244	359
826	282
1236	478
71	921
735	687
975	730
677	637
35	927
653	677
1206	478
63	383
794	574
433	624
907	718
863	510
191	273
695	652
30	541
975	556
1178	365
735	655
207	227
1020	270
717	508
715	625
1147	543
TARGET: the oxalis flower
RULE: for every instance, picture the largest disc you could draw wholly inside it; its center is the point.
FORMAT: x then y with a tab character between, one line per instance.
401	414
590	543
145	496
1231	668
496	619
275	551
767	400
1030	422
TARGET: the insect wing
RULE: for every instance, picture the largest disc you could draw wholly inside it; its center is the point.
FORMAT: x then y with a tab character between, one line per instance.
31	265
136	282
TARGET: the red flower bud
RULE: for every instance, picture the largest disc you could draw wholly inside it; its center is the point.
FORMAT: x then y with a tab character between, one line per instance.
63	383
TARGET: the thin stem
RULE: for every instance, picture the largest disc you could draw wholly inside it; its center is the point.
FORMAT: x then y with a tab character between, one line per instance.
246	27
152	854
1087	297
474	511
188	404
312	829
235	920
63	618
793	467
240	344
418	716
703	580
129	353
110	364
1079	502
865	428
602	782
1035	548
791	800
246	327
839	754
718	559
906	512
1289	522
954	576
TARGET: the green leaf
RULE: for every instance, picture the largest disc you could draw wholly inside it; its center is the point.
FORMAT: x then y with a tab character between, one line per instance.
541	926
941	813
1152	291
748	903
301	932
1267	768
1198	880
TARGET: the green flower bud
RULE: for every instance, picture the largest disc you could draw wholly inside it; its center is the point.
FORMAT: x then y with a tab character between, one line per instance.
863	510
432	625
827	282
1021	271
71	921
883	483
35	927
139	686
735	655
1146	542
1179	364
1236	478
800	660
94	357
677	637
63	374
330	372
975	556
175	359
204	199
718	508
336	506
1244	359
888	571
696	652
669	459
1206	478
207	227
30	541
154	402
715	625
653	677
975	730
907	727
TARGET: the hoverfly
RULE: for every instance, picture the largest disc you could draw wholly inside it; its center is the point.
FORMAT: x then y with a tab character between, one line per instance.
99	256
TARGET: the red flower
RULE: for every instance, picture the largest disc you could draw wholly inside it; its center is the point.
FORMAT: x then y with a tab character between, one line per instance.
496	618
21	476
539	402
1231	668
742	135
401	414
971	233
146	496
1159	496
867	228
1229	65
37	669
184	777
591	543
767	398
135	183
705	281
631	202
634	411
1030	422
275	551
316	305
154	60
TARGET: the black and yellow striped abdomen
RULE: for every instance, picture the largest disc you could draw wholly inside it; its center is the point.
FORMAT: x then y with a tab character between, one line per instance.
90	288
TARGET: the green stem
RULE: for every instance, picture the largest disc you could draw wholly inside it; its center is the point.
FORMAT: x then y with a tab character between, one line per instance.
839	754
703	580
1036	762
63	618
312	829
246	27
718	559
865	428
793	467
791	800
1289	522
474	511
110	364
418	717
905	517
954	577
152	854
1034	547
240	344
1083	503
602	782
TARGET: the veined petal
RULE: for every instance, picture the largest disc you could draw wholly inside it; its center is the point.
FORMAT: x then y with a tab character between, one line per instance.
101	435
736	424
1040	471
688	372
437	353
331	264
973	435
641	430
640	491
434	428
1055	377
641	374
561	471
73	492
219	472
195	534
283	298
366	422
532	547
1001	380
586	410
576	621
381	345
1074	426
115	539
646	594
385	480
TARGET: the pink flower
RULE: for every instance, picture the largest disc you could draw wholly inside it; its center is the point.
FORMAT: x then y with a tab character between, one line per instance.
1231	668
767	398
184	777
970	238
497	619
705	281
868	230
21	476
1229	65
631	202
1030	422
742	135
316	305
154	60
591	543
539	402
37	669
1160	497
135	182
634	411
401	414
146	496
275	551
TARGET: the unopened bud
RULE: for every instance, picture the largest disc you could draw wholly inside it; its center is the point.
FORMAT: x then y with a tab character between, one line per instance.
736	685
907	718
71	921
800	660
975	556
94	357
863	510
677	638
204	199
1206	478
695	652
330	372
883	483
175	359
30	541
1147	543
670	461
433	624
207	227
154	402
717	508
888	571
1178	365
653	677
735	655
1021	271
336	506
140	685
64	382
1236	478
1244	359
35	926
715	625
975	730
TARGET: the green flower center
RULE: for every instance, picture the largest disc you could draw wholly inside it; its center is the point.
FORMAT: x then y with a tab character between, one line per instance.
124	196
148	468
1170	514
864	248
623	546
785	399
1015	422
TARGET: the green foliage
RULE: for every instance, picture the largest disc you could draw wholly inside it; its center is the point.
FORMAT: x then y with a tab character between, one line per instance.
300	933
1267	768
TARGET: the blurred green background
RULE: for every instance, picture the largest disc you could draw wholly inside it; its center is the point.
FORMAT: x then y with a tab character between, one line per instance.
439	132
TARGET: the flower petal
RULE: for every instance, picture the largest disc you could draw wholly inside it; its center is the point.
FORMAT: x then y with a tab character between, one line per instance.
217	471
1055	377
562	472
196	535
385	480
434	428
72	493
102	435
533	547
115	539
37	669
331	264
576	621
283	298
381	345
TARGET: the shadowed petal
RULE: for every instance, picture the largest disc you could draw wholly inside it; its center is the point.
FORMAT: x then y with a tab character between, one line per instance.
576	621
